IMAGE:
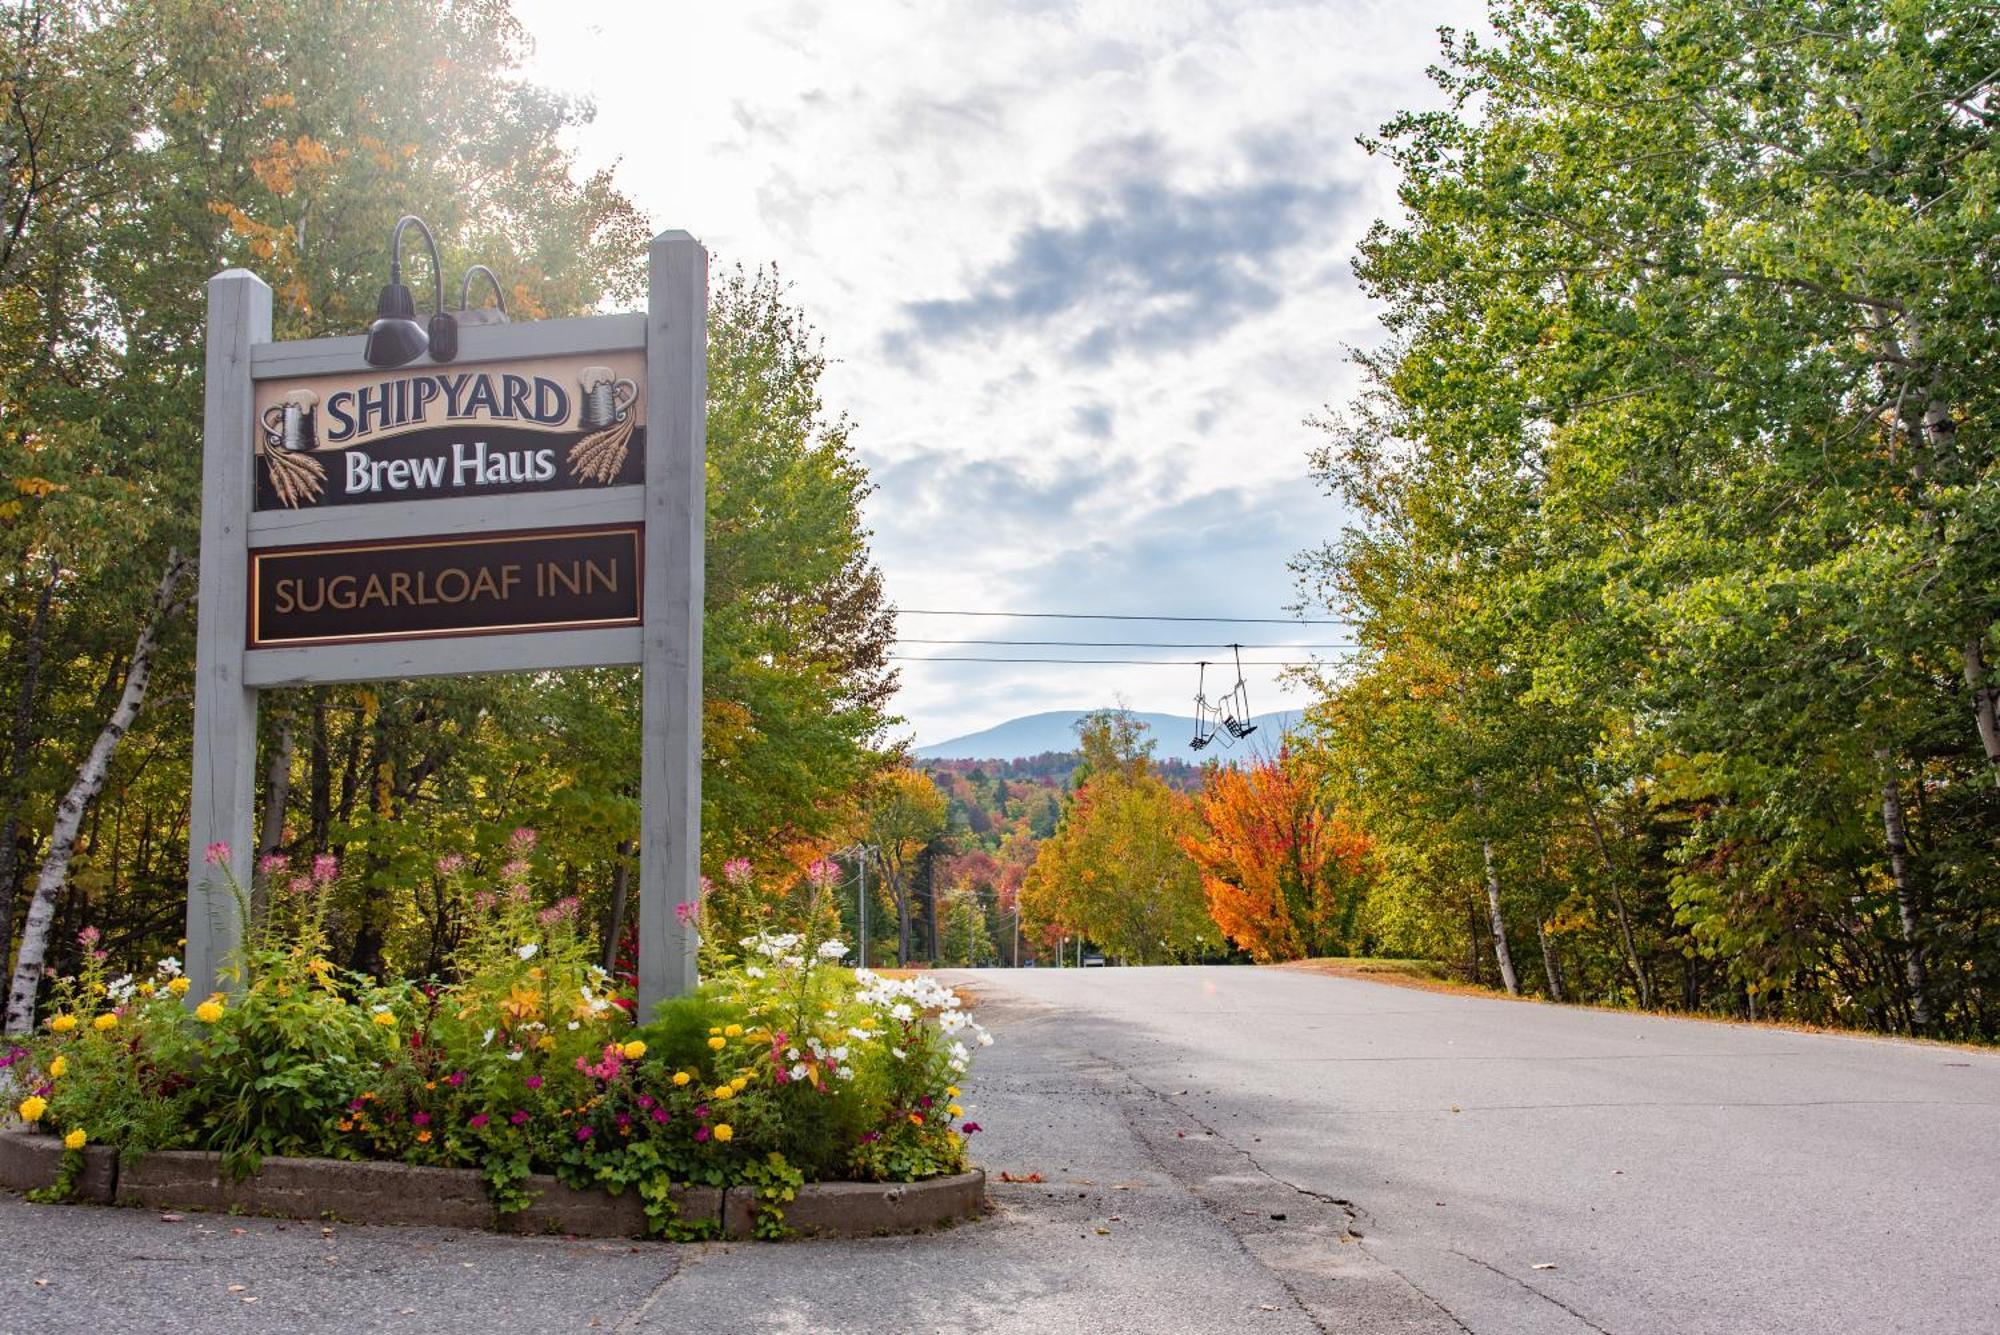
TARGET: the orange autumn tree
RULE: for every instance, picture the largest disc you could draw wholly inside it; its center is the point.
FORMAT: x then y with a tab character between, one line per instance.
1284	875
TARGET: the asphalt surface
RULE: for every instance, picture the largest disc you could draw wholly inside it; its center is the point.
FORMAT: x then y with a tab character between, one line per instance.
1236	1150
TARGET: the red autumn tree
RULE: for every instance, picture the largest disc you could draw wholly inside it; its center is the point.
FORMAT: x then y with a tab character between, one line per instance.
1284	875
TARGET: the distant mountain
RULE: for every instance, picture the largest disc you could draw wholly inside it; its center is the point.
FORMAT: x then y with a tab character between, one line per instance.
1033	734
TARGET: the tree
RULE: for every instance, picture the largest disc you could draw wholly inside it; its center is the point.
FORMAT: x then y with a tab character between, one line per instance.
905	812
1283	874
1114	871
1675	560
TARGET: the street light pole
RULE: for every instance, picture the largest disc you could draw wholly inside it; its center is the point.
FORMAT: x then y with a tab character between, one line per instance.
860	852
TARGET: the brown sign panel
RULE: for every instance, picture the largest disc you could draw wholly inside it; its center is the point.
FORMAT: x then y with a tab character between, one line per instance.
480	429
553	579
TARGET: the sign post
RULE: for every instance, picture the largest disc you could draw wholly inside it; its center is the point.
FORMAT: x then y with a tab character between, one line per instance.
536	503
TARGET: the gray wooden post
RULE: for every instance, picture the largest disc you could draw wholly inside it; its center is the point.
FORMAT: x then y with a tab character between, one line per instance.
670	656
225	709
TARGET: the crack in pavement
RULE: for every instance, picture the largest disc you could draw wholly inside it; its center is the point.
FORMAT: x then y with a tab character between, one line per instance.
1547	1298
1351	1213
630	1322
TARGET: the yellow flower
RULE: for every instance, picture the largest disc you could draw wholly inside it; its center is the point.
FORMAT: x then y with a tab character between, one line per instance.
387	1019
105	1023
145	989
57	1067
725	1091
740	1083
715	1029
634	1050
33	1107
208	1012
951	1091
547	1042
916	1120
75	1140
955	1110
718	1043
681	1077
723	1131
734	1031
62	1024
179	987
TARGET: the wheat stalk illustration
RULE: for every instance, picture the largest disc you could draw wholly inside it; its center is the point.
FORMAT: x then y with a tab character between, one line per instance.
297	478
599	456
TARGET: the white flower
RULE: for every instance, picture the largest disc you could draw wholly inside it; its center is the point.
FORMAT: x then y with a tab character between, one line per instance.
953	1021
791	1054
488	1040
753	971
845	1073
120	989
169	967
898	1053
516	1055
575	1025
861	1034
798	1071
901	1011
527	950
378	1010
831	950
985	1040
839	1054
959	1054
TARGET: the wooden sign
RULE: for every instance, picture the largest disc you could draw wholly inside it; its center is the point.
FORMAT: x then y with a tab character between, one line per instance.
533	504
347	593
423	432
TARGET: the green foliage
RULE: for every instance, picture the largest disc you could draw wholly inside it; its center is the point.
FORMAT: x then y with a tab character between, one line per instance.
1674	553
789	1069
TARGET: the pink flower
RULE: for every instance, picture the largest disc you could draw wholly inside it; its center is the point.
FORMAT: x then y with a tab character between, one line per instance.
707	887
217	853
584	1133
645	1100
519	1117
326	869
478	1120
662	1116
534	1082
89	937
420	1119
700	1134
969	1128
687	912
737	871
273	863
450	863
523	839
516	870
300	884
455	1079
824	874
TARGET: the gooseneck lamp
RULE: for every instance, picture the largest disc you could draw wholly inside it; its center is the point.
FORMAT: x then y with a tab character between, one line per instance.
396	339
494	314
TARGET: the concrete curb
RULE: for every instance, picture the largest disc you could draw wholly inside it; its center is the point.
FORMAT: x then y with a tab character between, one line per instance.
373	1192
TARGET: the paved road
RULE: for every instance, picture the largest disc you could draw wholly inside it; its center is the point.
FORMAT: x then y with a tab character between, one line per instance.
1241	1151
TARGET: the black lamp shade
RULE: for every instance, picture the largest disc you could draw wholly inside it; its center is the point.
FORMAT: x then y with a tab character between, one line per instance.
396	339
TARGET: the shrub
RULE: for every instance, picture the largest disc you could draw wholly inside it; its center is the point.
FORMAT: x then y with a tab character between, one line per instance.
785	1068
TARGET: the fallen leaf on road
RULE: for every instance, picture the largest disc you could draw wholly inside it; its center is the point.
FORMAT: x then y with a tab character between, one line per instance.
1544	1265
1104	1232
238	1232
41	1284
1267	1307
1006	1176
238	1288
251	1298
170	1219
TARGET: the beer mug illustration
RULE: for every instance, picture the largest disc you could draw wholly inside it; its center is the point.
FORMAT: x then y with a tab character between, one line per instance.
606	397
291	424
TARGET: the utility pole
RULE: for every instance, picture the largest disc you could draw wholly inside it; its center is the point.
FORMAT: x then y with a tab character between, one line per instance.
860	852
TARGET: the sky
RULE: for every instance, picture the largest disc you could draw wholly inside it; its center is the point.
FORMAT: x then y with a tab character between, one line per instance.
1084	272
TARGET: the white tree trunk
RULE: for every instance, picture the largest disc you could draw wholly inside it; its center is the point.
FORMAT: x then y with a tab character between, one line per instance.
1895	835
70	811
1985	714
1500	951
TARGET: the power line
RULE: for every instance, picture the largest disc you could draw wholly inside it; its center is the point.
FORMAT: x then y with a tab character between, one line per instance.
1105	662
1117	616
1122	644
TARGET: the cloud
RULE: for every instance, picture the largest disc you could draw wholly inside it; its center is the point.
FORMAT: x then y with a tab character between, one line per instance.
1151	267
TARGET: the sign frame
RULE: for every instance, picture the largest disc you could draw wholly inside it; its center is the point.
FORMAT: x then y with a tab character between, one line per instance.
667	506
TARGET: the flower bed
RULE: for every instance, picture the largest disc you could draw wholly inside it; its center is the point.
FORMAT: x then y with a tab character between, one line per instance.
784	1069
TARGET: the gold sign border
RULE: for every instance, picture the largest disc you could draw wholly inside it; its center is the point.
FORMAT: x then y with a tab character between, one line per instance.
637	532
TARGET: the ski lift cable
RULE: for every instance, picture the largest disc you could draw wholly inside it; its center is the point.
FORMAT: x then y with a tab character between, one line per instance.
1120	616
1095	662
1119	644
